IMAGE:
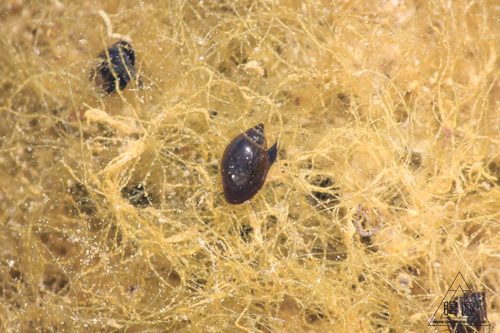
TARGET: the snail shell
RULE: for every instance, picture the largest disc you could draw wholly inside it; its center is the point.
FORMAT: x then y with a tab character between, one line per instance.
116	63
245	164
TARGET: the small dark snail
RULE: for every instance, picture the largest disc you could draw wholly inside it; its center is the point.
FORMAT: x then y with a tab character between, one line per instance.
469	314
116	63
245	164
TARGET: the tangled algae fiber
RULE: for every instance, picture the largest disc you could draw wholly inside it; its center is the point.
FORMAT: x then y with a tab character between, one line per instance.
111	218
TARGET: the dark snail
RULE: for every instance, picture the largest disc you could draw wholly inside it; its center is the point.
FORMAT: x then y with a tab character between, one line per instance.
116	63
245	163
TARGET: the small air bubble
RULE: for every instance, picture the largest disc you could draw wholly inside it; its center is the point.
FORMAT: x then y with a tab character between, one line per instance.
404	282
